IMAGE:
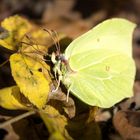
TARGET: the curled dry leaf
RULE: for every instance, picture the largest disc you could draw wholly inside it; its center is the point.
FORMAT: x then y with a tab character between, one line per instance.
69	107
127	123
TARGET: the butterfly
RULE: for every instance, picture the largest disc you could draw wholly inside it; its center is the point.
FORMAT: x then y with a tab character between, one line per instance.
98	67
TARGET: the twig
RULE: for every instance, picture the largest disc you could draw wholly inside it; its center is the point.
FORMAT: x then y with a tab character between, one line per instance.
4	63
17	118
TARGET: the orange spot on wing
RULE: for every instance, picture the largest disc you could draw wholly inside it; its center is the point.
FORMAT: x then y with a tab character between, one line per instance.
107	68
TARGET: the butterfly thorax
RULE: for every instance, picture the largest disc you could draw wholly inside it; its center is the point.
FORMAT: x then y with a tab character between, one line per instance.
66	73
61	67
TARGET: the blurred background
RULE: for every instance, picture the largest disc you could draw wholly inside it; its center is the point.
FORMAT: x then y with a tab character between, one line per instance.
74	17
79	15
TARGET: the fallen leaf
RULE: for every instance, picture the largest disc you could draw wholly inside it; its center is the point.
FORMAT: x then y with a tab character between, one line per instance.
17	27
59	101
127	124
10	98
30	76
56	123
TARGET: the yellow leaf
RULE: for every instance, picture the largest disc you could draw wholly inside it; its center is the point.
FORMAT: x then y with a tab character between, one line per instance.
34	51
38	42
32	78
17	28
56	136
56	123
10	98
43	38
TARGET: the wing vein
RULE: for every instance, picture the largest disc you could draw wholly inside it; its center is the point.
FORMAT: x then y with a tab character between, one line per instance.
97	62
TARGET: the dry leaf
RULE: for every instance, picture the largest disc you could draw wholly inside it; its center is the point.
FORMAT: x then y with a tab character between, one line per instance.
10	98
29	75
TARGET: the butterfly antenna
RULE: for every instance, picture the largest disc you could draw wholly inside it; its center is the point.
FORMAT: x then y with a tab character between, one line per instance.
53	34
57	40
33	43
50	32
39	52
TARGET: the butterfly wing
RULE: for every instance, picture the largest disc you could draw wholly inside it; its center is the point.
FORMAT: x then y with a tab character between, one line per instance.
103	64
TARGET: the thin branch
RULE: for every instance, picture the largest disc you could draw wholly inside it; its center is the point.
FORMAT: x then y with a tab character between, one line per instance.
17	118
4	63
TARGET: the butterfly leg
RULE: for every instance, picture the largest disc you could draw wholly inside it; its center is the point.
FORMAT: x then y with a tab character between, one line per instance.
58	83
56	68
57	71
68	93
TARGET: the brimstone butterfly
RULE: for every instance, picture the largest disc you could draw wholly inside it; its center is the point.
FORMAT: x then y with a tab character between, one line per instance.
97	67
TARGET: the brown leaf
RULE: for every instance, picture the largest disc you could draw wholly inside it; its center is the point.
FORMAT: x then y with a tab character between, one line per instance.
59	100
127	123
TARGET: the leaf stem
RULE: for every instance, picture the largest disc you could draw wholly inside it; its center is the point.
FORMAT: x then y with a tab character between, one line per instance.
17	118
4	63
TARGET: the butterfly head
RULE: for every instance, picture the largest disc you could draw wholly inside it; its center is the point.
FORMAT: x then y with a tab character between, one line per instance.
58	58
